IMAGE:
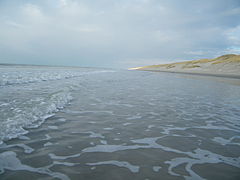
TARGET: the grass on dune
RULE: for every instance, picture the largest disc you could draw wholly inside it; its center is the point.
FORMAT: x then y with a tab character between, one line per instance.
228	58
192	66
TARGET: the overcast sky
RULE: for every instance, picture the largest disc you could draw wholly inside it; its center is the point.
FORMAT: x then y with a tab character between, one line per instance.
117	33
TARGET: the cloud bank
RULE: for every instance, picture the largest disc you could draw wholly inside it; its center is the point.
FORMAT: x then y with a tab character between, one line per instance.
122	33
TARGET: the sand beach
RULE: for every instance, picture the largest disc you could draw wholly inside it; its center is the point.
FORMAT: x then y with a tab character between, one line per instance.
223	66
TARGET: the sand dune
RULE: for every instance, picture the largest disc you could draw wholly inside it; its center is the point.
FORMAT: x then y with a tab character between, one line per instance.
227	65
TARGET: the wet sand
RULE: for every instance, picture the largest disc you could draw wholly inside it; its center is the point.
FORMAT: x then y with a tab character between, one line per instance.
236	76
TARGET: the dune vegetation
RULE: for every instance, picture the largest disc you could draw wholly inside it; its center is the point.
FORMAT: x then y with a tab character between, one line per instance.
228	58
226	65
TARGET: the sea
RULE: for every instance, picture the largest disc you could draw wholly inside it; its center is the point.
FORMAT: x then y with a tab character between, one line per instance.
103	124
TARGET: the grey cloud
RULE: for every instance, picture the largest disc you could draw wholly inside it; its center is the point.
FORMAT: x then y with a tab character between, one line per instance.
116	33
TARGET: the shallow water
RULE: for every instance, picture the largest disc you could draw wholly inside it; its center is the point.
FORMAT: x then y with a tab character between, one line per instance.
81	123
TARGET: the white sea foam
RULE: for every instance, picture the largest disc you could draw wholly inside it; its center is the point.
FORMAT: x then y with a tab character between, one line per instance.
9	161
31	94
108	128
53	156
47	144
24	138
94	135
11	76
126	124
62	119
150	126
103	141
53	127
134	117
229	141
27	149
125	164
156	168
199	156
65	163
33	114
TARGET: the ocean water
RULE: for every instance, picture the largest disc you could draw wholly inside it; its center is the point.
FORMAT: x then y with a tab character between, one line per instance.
90	123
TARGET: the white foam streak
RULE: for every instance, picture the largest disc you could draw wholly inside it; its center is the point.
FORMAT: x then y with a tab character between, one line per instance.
26	148
132	168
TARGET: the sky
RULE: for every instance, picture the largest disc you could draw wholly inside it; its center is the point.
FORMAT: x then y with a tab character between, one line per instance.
117	33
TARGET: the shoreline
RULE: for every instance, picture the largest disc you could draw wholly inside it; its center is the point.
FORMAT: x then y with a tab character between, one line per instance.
234	76
223	66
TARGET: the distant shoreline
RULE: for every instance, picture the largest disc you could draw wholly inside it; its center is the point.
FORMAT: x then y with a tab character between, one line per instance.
49	66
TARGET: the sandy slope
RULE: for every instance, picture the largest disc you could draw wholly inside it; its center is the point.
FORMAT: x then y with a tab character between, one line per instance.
226	65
